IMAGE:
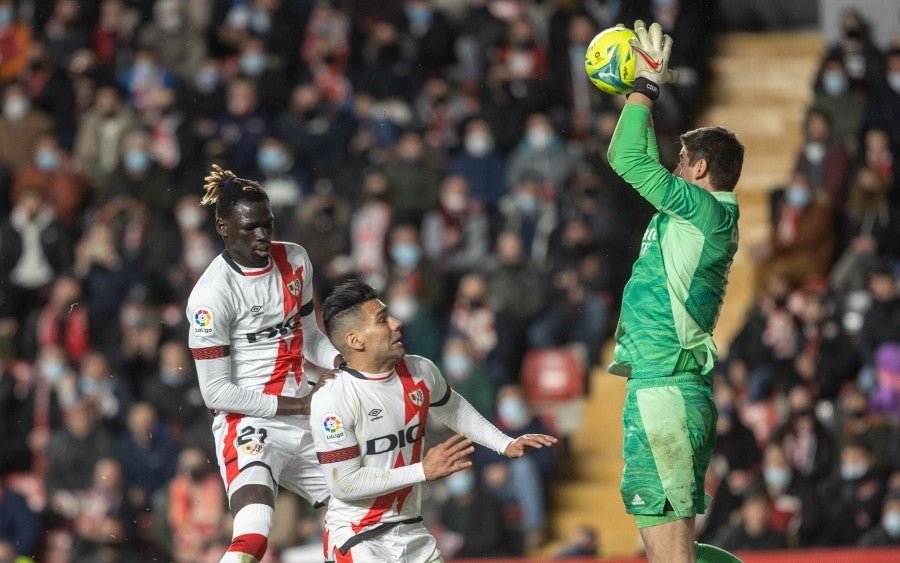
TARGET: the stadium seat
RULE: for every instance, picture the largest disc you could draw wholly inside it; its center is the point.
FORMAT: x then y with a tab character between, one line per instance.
552	375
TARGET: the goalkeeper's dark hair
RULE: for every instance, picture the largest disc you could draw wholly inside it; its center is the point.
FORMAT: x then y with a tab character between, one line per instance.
343	302
723	153
224	189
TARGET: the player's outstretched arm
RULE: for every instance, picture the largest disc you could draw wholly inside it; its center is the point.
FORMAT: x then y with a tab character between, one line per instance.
527	442
448	457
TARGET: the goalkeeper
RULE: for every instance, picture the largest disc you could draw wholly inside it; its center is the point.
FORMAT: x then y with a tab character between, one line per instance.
664	342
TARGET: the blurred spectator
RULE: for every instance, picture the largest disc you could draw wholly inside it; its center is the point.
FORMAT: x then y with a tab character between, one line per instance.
882	321
801	244
193	243
320	223
860	424
752	531
140	328
177	45
196	506
824	162
839	99
885	398
147	456
878	154
795	508
63	321
98	145
455	235
763	351
114	33
471	520
888	533
105	522
20	527
480	164
141	178
807	443
520	63
521	481
408	266
64	32
473	320
16	38
242	127
883	100
56	176
827	359
861	56
174	394
467	378
369	228
526	211
854	495
98	383
413	179
541	154
143	76
21	126
280	178
872	231
583	542
17	405
421	331
266	72
71	454
440	107
52	90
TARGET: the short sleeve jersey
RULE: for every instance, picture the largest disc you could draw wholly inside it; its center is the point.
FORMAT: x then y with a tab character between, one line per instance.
253	316
672	301
382	421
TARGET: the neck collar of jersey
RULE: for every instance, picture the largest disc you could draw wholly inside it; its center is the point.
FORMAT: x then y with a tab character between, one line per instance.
367	376
725	197
249	272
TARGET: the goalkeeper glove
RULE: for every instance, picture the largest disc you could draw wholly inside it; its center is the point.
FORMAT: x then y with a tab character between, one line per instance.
651	61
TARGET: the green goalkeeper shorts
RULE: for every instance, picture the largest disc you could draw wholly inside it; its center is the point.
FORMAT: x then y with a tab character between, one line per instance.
670	436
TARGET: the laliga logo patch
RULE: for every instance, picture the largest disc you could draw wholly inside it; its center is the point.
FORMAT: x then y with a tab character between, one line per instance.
332	427
294	287
417	397
203	321
253	448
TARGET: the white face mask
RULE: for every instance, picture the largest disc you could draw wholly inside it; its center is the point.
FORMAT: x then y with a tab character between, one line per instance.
815	151
479	144
454	202
16	107
893	80
190	218
404	309
892	523
539	137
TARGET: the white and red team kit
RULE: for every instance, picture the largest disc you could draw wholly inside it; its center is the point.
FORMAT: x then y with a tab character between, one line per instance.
368	431
249	330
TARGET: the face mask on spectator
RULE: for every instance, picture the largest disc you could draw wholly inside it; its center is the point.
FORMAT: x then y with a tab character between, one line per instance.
853	471
893	80
512	412
454	202
406	254
460	483
16	107
53	371
539	137
404	309
190	218
419	15
46	159
814	151
89	386
6	16
206	80
834	83
142	71
478	144
171	378
253	64
197	260
777	476
136	161
527	203
892	523
271	159
457	365
855	63
797	196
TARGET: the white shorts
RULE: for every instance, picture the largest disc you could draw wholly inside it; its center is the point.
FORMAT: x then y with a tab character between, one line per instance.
271	452
403	543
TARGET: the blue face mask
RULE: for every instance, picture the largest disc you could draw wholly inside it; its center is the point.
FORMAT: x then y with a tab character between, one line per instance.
891	523
457	364
46	160
834	83
777	476
460	483
405	254
53	371
136	161
513	413
207	80
419	15
6	16
271	160
527	203
253	64
797	196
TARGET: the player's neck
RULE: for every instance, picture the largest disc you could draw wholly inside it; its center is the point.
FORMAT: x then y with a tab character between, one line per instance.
371	367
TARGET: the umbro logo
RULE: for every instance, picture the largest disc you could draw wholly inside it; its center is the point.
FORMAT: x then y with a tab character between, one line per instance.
256	310
637	500
375	414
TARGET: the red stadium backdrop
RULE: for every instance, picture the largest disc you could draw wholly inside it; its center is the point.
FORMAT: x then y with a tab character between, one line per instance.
805	556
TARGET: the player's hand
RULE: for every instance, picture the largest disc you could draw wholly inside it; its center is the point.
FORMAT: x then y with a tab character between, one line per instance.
448	457
527	442
326	376
651	62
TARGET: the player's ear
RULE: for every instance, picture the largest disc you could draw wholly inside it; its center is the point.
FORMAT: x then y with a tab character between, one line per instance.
355	341
221	227
701	168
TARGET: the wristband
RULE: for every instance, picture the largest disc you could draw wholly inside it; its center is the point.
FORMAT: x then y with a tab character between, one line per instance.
646	87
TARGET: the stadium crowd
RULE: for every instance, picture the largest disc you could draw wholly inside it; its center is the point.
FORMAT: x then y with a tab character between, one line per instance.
452	155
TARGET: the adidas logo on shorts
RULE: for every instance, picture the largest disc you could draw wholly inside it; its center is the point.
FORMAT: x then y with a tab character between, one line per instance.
637	501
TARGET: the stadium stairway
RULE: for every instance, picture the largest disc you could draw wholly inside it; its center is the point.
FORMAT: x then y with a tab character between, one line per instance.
761	90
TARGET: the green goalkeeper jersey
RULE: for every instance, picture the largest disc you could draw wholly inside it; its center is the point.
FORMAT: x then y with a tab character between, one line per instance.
677	285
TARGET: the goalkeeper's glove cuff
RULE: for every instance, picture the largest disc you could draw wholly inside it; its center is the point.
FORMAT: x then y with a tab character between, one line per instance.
646	87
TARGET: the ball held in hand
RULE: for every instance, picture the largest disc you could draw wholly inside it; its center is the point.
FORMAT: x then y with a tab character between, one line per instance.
609	61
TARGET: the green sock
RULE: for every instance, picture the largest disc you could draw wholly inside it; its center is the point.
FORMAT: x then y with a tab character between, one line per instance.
712	554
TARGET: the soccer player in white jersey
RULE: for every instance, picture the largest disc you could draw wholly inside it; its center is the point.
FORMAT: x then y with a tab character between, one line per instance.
251	325
368	426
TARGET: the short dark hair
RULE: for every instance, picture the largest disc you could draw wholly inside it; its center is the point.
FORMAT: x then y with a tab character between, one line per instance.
224	189
723	153
344	300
